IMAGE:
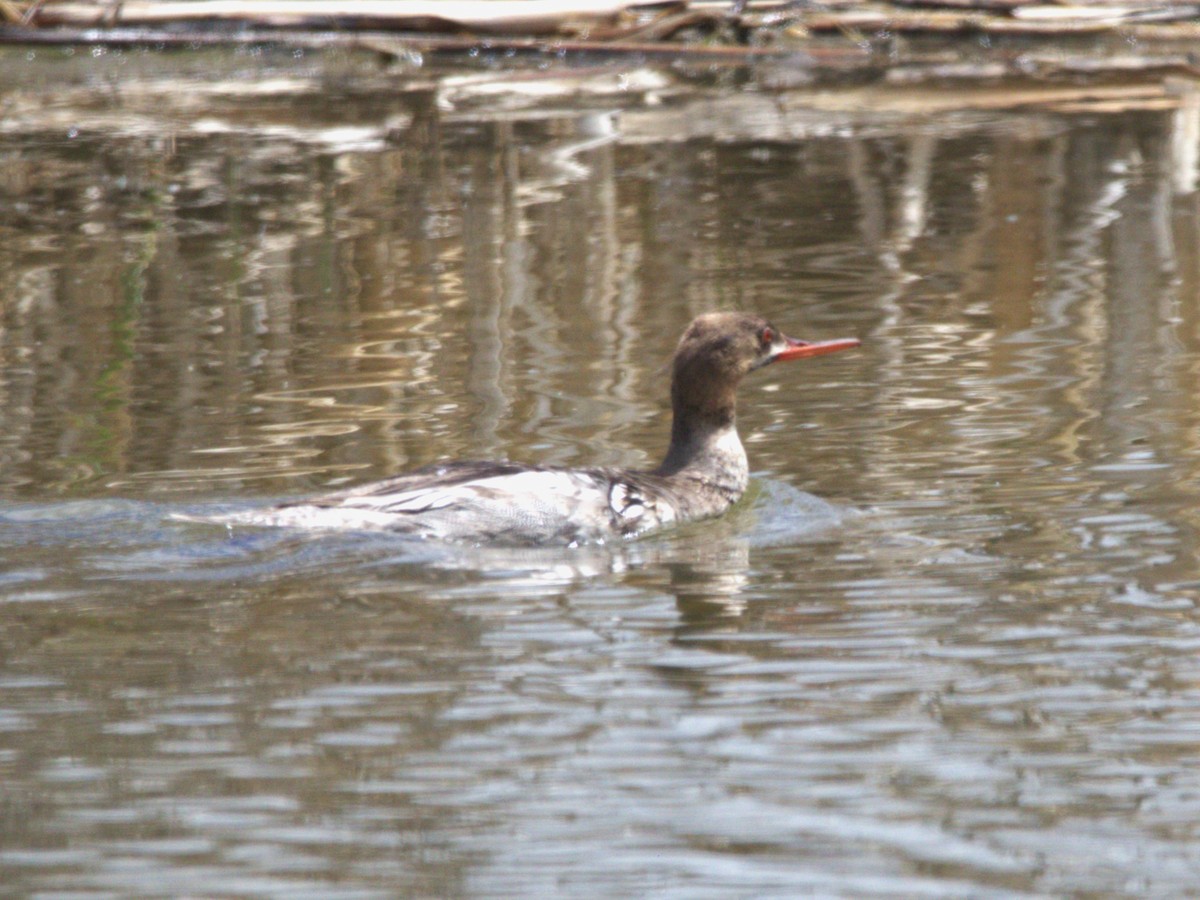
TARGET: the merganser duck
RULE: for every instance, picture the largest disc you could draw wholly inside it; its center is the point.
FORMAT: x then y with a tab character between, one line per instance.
703	474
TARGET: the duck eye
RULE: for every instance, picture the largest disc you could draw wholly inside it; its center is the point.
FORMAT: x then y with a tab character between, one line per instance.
767	337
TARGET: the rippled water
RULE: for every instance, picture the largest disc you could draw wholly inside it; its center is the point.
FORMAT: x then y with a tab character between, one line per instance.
973	674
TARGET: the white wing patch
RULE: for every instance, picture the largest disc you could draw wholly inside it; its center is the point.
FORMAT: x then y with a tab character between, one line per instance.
627	502
417	501
510	489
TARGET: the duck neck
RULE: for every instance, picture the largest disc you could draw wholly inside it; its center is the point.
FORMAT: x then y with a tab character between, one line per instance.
705	447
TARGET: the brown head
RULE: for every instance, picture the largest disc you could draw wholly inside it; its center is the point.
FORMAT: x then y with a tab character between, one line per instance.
719	348
714	354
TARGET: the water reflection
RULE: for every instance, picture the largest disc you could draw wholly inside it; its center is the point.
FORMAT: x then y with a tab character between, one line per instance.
971	672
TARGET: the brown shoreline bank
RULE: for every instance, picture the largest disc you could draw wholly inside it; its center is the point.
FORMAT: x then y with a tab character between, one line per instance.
899	43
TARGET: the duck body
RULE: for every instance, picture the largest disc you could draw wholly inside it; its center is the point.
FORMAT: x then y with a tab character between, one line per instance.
705	470
505	503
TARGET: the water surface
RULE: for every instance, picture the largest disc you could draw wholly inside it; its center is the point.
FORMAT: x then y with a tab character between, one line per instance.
976	676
